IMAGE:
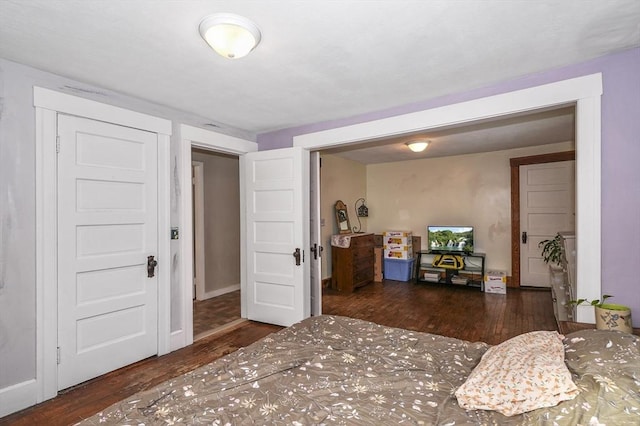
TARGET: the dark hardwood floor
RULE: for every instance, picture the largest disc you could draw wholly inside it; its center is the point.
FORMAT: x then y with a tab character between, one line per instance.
454	311
448	310
211	314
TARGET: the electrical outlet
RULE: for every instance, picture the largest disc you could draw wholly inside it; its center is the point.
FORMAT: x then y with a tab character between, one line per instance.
321	222
174	233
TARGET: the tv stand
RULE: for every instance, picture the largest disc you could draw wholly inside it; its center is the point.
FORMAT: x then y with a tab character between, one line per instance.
471	274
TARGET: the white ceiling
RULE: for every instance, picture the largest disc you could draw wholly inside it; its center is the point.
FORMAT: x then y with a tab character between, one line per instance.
318	59
518	131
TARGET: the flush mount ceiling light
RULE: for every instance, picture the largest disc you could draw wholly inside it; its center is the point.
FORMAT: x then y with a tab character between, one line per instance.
231	36
417	146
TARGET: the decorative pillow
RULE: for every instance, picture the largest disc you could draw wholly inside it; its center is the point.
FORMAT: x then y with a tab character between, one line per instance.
519	375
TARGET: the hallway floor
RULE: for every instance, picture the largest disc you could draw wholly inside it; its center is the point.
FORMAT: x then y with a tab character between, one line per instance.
216	312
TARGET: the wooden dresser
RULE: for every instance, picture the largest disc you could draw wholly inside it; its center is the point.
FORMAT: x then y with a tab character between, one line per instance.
352	266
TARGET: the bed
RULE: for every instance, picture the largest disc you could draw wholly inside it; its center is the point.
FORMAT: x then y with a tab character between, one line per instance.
338	370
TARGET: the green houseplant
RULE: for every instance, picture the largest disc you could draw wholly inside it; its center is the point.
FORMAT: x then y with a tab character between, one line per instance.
553	255
609	316
552	251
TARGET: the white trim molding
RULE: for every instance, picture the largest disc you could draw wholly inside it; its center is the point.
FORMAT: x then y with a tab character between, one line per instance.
198	229
18	397
583	92
48	104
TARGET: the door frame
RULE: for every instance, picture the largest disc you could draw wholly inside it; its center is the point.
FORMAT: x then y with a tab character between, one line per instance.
48	104
194	137
198	226
584	92
515	164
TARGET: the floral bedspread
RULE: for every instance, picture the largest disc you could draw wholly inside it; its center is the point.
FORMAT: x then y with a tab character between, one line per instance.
337	370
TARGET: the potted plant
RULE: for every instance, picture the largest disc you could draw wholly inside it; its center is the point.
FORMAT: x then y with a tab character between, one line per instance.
553	255
552	251
609	316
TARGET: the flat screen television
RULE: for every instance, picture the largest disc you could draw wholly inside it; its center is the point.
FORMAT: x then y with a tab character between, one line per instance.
450	239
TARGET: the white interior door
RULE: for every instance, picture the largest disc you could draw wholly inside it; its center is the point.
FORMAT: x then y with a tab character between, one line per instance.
107	227
547	206
315	256
277	217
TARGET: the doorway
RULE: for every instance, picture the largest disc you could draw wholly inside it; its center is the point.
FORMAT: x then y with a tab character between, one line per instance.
48	105
516	226
583	92
216	237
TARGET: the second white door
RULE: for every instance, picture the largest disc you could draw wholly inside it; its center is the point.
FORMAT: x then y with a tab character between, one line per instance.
277	235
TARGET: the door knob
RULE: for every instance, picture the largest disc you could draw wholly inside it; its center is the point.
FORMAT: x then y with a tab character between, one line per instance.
151	266
296	254
316	250
524	237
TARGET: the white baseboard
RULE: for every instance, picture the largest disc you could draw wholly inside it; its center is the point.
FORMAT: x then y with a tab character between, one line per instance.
18	397
220	291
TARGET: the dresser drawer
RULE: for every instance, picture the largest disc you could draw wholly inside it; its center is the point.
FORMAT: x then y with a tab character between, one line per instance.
362	254
362	277
362	241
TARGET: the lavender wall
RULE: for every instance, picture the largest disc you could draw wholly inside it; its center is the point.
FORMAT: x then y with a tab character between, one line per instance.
620	157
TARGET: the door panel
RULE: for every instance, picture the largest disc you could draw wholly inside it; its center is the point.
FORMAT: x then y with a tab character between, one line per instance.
276	211
107	226
547	206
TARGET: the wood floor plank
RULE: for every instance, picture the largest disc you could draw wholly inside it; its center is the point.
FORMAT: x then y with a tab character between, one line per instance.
451	311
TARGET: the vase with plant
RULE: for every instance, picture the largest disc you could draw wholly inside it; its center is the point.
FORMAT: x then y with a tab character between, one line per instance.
609	316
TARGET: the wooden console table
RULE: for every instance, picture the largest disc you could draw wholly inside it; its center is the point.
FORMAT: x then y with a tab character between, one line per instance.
566	327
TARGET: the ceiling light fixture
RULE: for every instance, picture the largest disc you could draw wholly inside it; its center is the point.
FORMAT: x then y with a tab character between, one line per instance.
231	36
417	146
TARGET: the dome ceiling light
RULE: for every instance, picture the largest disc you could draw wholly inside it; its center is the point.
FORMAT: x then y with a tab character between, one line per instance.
417	146
232	36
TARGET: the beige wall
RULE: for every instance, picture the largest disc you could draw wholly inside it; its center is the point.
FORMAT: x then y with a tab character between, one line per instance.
340	179
461	190
221	220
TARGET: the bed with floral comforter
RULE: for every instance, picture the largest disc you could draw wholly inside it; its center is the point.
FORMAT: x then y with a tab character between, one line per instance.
338	370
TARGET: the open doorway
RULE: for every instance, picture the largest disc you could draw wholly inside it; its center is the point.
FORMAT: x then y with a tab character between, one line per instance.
216	237
583	92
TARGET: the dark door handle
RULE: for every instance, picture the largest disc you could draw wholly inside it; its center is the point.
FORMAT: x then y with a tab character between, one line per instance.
151	266
524	237
296	254
316	250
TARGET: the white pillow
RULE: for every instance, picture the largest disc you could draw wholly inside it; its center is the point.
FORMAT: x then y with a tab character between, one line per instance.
519	375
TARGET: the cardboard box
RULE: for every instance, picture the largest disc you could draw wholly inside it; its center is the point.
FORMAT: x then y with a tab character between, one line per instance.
495	282
397	234
403	241
398	269
396	251
377	265
433	277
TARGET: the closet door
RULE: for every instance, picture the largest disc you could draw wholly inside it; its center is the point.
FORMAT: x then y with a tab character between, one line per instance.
107	229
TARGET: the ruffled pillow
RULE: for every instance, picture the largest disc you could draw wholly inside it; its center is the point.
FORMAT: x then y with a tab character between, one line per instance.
519	375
